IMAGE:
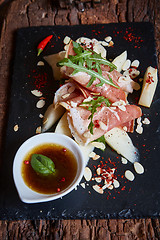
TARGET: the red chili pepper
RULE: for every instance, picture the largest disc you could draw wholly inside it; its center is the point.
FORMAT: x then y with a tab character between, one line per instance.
42	44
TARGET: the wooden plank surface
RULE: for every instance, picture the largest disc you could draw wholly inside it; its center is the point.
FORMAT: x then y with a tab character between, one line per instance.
24	13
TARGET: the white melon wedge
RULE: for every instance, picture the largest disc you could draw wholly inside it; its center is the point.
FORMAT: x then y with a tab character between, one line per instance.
62	126
52	60
149	86
120	60
120	141
51	116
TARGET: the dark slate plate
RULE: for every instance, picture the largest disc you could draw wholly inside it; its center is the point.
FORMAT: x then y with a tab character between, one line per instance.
137	199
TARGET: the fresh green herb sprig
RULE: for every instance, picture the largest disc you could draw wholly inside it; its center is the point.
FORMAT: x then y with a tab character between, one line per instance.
42	164
88	61
92	106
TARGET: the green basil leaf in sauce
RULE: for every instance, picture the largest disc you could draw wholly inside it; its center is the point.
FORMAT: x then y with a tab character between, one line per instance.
42	164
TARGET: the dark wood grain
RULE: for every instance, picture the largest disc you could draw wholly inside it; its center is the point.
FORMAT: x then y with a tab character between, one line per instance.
24	13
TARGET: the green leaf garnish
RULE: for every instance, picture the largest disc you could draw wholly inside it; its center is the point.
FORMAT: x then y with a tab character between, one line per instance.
92	106
42	164
88	61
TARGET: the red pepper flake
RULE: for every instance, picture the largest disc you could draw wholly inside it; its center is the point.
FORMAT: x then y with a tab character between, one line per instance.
123	188
97	124
26	162
149	79
58	189
64	149
131	37
63	179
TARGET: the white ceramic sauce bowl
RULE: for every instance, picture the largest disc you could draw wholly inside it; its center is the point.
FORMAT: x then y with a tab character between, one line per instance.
26	194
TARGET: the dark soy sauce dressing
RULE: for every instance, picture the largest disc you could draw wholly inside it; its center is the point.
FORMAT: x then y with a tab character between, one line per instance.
65	165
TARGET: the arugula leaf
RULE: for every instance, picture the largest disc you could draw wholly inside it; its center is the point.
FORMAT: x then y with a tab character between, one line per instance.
67	62
92	107
101	139
42	164
88	61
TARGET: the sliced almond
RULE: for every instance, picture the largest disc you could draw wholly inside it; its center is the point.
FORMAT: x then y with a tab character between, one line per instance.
135	63
139	129
104	43
108	39
138	168
87	174
111	43
16	128
38	130
40	63
66	40
83	185
129	175
99	170
107	184
124	160
41	115
92	155
36	93
146	121
40	103
98	48
116	183
98	179
99	145
110	187
126	65
65	95
98	189
96	157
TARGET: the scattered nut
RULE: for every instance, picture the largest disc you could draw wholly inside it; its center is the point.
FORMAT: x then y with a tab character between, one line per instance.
16	127
87	174
135	63
129	175
126	65
38	130
40	63
99	145
124	160
36	93
66	40
83	185
146	121
138	168
98	189
40	103
116	184
108	39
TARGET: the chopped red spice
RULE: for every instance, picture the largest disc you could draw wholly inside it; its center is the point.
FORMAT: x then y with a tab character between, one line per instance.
63	179
26	162
58	189
149	79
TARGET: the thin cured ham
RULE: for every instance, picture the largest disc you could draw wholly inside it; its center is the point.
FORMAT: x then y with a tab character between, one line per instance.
78	97
104	119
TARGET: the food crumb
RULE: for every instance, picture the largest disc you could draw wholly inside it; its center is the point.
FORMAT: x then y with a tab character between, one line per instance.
16	127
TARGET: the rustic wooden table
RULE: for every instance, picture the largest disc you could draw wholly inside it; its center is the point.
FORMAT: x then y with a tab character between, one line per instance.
24	13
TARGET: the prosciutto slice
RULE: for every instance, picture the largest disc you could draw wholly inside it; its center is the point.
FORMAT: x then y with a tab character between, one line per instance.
104	119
